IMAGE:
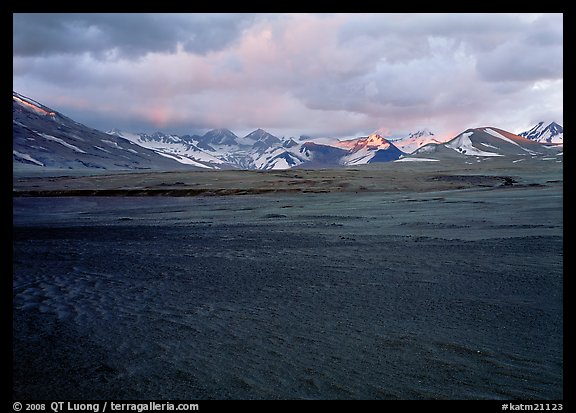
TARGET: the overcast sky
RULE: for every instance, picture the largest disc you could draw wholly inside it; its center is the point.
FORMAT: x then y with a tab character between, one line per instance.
339	75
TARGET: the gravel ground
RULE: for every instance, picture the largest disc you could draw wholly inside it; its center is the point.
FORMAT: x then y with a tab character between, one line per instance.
372	295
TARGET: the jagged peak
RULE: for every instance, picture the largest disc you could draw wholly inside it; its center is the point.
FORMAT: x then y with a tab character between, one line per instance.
551	133
220	131
421	132
259	134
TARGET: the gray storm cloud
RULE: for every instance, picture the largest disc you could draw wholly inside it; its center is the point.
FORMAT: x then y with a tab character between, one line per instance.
123	34
331	74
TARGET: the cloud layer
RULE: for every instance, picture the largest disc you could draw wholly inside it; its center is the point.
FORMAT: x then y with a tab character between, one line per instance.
330	75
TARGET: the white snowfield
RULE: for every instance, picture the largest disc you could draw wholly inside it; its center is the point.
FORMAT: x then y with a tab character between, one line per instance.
463	144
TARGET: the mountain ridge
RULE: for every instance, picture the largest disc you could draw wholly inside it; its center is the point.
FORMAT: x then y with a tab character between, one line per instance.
43	137
483	143
221	148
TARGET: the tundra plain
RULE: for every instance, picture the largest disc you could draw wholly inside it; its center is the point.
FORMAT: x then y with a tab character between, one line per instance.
405	280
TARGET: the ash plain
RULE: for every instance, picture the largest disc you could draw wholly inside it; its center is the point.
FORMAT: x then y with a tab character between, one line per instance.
411	292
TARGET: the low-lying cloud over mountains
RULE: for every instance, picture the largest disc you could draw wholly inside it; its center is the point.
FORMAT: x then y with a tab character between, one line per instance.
325	74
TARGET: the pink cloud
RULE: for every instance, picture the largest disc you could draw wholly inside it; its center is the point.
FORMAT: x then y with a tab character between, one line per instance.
335	74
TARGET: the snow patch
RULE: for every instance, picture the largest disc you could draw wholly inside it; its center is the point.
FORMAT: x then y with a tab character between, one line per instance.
417	140
500	136
62	142
27	157
280	164
184	160
102	149
111	143
463	144
360	157
416	160
504	138
489	146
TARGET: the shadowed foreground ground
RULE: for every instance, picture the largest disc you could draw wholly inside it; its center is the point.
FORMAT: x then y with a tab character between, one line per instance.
410	294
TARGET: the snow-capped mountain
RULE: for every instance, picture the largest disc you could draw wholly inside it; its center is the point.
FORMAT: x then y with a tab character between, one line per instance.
181	149
322	156
286	156
370	149
42	137
263	138
221	148
219	137
45	138
416	140
550	134
480	144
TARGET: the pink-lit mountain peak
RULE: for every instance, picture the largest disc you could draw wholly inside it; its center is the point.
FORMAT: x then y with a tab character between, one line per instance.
373	141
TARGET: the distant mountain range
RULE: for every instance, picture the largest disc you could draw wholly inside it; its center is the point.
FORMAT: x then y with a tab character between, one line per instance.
221	148
43	137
